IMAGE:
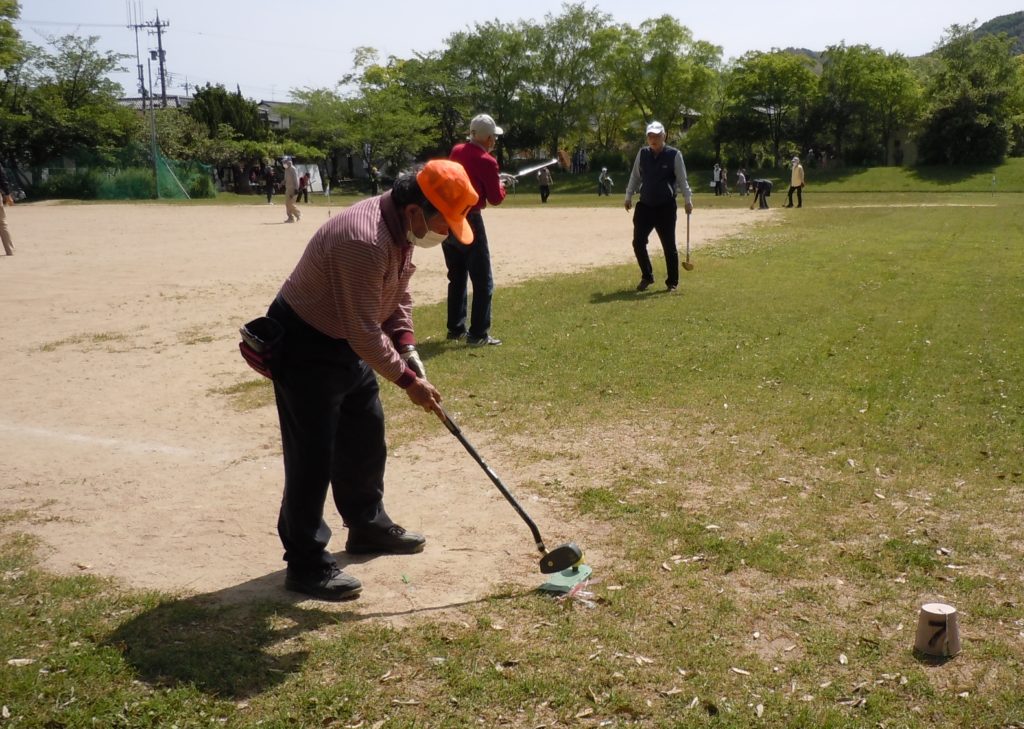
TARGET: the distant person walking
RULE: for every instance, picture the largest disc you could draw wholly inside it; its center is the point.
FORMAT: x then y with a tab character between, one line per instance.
303	188
269	180
544	181
291	191
8	199
604	183
796	183
659	174
741	181
716	177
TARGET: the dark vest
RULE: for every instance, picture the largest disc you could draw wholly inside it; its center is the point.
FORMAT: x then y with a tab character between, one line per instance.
658	176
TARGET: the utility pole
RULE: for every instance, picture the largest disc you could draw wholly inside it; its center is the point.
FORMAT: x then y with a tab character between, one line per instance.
159	55
160	48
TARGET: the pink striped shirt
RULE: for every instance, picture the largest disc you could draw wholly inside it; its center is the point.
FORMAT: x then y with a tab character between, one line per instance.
352	283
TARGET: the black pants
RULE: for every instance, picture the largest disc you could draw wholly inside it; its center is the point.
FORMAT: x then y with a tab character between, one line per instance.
332	434
472	262
799	196
661	218
303	195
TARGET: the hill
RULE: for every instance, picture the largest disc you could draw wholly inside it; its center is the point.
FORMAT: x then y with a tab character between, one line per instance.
1012	25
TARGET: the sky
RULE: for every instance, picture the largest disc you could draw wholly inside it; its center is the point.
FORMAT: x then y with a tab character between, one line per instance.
268	47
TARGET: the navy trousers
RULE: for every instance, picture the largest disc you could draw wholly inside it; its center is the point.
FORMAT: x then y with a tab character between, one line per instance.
472	262
332	435
660	218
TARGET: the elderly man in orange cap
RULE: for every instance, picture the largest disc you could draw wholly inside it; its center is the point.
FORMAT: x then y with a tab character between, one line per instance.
346	316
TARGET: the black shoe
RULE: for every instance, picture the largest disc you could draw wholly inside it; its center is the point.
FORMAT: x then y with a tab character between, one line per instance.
393	540
644	284
482	341
329	583
453	337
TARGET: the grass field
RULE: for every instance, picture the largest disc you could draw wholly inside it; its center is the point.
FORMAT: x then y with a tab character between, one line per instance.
820	431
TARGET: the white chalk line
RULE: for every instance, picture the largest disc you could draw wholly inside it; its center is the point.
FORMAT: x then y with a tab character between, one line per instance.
113	443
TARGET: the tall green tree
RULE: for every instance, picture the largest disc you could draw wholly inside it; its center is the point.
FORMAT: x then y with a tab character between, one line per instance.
778	86
570	50
498	61
73	107
215	106
386	122
971	95
864	97
662	71
445	94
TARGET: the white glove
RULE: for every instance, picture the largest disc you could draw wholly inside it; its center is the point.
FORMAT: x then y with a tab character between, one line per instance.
412	358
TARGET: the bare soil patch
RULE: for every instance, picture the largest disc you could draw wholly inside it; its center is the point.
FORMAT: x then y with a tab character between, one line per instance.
121	320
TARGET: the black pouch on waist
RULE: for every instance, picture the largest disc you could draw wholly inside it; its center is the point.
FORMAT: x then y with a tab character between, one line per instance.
261	344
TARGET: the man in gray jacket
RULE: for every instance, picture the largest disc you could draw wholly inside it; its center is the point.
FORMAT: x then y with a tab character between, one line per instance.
659	173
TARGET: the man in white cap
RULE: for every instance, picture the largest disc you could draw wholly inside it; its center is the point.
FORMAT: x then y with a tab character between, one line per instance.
796	182
660	174
474	261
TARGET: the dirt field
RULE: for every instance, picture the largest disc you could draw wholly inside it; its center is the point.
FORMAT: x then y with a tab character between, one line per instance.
119	321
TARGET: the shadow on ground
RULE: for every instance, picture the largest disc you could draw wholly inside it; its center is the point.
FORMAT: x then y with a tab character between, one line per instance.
235	643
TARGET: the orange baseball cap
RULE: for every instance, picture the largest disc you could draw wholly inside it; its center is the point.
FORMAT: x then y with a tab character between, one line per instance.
446	185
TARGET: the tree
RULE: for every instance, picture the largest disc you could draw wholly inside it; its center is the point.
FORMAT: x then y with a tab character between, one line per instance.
570	48
778	86
384	119
896	101
445	95
214	106
971	98
497	60
865	96
663	72
73	105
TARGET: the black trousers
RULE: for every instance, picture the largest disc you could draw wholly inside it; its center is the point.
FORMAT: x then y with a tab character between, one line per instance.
660	218
545	192
472	262
799	196
332	434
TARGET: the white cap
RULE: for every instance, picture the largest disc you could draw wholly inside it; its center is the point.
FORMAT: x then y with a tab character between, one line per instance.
483	126
796	159
655	127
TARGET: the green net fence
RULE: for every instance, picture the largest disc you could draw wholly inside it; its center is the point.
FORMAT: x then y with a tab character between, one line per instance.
177	179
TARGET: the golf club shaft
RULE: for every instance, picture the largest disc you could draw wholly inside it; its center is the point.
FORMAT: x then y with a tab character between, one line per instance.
454	429
528	170
687	237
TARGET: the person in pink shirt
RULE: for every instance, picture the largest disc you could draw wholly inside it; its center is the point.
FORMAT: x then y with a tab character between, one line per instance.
473	262
346	316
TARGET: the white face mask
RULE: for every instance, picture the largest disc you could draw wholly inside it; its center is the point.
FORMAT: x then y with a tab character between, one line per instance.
430	240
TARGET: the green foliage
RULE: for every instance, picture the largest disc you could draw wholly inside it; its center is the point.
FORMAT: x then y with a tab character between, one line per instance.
663	71
73	185
130	184
201	186
971	95
215	107
778	86
865	96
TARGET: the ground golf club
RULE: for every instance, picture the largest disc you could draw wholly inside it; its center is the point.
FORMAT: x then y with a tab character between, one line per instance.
561	557
686	264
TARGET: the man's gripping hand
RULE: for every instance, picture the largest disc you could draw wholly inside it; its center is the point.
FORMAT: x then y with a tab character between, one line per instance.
412	358
425	395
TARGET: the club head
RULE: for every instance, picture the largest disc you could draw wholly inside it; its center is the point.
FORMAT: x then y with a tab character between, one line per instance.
687	265
561	558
